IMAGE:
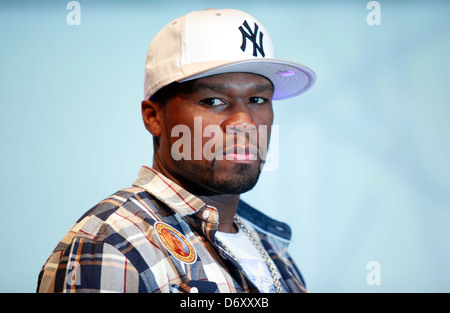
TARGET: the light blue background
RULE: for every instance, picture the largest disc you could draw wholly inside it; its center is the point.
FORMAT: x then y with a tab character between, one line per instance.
364	169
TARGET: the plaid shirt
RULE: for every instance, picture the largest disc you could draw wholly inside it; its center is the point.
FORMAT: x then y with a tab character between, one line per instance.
115	246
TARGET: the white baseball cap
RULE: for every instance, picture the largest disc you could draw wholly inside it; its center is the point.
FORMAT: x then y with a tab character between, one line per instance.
210	42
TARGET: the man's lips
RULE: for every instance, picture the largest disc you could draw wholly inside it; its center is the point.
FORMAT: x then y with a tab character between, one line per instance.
240	157
241	153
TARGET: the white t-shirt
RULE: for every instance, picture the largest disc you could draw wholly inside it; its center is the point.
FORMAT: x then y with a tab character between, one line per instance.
250	259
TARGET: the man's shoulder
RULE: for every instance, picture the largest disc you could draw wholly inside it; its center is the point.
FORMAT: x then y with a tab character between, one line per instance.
122	214
105	208
263	222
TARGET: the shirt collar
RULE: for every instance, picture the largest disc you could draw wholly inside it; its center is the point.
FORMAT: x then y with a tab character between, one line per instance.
168	192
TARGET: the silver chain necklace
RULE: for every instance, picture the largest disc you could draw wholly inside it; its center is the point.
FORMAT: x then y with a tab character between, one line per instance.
257	243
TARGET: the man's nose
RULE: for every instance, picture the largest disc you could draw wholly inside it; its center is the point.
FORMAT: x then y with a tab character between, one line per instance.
238	118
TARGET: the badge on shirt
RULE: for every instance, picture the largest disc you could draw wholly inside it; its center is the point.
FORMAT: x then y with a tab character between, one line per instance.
176	243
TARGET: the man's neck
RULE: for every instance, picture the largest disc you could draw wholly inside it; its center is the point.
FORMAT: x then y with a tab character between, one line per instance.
226	204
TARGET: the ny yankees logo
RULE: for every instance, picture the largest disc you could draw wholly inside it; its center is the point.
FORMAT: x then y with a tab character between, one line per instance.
251	35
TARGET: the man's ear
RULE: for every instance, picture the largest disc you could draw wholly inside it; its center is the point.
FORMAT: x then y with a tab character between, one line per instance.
151	115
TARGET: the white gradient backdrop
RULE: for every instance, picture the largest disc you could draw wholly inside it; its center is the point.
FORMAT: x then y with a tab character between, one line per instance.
364	169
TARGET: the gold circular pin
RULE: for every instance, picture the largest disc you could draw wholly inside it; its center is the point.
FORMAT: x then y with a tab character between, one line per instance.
176	243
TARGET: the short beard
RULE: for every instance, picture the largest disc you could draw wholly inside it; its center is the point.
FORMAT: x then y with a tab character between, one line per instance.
242	179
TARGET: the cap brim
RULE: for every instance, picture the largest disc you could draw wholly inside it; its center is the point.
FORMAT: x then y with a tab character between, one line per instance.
289	79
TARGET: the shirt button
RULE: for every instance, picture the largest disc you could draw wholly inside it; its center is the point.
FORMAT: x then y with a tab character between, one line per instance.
205	214
194	290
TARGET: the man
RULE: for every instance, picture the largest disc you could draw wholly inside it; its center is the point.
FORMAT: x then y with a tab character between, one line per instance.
210	78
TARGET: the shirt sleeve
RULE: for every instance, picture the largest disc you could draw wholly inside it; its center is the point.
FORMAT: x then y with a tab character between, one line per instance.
88	266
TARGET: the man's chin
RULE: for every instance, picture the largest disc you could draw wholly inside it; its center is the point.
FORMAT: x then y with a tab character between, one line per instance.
235	178
234	186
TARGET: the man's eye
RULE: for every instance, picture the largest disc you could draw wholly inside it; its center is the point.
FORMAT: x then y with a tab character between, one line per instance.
212	101
257	100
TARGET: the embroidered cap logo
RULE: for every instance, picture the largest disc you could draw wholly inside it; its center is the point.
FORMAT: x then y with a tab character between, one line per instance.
251	35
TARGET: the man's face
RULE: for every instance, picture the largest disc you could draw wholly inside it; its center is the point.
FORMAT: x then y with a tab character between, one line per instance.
214	133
